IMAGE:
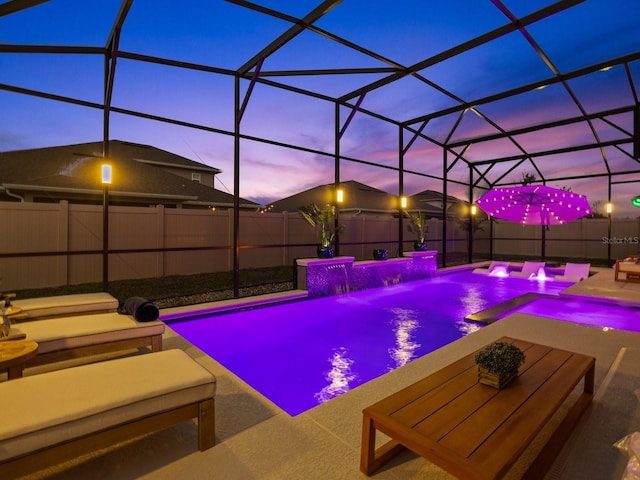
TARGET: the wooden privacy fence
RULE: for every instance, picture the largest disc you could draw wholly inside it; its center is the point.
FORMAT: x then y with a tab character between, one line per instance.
45	245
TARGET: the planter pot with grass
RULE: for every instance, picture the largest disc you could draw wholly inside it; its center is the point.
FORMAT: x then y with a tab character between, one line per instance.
322	220
498	364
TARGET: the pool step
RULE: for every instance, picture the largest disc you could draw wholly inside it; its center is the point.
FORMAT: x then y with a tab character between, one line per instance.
491	314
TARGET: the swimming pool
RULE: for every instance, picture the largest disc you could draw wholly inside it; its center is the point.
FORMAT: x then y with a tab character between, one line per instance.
303	353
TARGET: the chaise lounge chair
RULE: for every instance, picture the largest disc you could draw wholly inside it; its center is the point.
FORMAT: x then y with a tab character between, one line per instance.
65	305
574	272
65	338
630	267
57	416
529	270
495	269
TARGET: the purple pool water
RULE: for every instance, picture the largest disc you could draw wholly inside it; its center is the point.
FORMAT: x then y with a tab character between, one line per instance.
303	353
595	314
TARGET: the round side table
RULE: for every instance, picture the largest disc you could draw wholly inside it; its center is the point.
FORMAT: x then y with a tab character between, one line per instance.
14	354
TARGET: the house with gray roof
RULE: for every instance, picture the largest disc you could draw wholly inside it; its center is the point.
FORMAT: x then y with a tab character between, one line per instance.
141	175
360	198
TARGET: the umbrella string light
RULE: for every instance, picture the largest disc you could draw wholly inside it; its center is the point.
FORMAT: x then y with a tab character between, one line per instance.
532	199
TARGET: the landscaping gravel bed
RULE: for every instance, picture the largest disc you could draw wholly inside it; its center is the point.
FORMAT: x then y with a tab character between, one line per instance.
222	295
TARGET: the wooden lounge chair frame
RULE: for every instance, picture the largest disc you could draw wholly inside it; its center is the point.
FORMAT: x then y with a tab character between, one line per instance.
631	269
69	338
204	411
175	389
153	342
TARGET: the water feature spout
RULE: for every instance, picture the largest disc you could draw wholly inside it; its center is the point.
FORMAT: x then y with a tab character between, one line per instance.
339	278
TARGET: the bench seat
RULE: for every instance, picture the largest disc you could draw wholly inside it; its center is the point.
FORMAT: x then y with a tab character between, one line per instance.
59	415
66	338
65	305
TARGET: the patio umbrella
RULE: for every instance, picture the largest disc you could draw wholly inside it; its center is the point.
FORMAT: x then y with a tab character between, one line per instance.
534	205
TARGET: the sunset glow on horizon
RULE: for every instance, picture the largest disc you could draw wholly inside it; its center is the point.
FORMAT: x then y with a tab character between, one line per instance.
52	99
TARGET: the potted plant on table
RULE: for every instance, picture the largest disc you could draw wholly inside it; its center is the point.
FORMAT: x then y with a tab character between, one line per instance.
418	226
322	220
498	363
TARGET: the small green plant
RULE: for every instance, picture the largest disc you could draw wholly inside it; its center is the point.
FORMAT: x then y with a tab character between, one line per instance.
500	358
417	225
322	220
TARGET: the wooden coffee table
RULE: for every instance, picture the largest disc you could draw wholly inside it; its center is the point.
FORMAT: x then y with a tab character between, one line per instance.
14	354
475	431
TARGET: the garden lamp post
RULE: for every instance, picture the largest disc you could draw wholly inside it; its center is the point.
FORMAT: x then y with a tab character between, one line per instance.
339	200
609	209
404	202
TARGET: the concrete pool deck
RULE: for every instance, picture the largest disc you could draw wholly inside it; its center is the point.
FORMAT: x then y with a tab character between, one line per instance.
257	440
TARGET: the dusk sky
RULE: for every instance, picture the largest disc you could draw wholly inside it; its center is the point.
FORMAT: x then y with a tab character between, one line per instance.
226	35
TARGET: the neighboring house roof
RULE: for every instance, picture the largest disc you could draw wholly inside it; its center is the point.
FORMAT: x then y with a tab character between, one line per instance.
357	197
362	198
141	175
430	202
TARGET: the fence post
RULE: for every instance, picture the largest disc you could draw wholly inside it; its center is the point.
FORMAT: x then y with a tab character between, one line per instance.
63	242
161	235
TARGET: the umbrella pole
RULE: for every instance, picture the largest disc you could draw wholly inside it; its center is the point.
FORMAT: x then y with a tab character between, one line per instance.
544	228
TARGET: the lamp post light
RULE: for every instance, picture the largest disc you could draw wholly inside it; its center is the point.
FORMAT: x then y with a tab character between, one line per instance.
339	200
609	209
404	202
473	211
106	181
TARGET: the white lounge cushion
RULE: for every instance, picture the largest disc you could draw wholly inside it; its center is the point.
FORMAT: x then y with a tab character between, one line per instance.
574	272
529	270
521	274
532	267
82	330
632	267
483	271
67	304
566	278
46	409
494	267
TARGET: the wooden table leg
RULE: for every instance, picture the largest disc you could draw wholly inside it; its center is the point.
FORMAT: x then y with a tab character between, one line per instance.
556	441
589	379
368	446
15	371
371	459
